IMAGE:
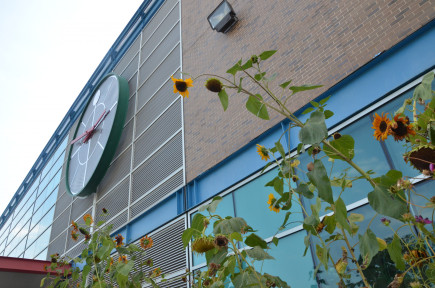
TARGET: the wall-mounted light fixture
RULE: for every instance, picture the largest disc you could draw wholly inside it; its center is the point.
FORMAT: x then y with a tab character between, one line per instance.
223	18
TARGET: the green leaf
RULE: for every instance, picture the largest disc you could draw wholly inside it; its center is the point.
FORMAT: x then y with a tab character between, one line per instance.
314	130
237	67
297	89
257	108
228	226
345	145
423	90
214	203
324	100
431	131
287	215
278	185
258	253
275	240
259	76
219	257
355	217
285	84
245	279
319	178
247	65
304	190
322	254
223	96
236	236
125	268
385	203
240	85
430	272
198	222
187	236
307	242
280	149
395	252
279	283
255	240
315	104
330	223
328	114
308	110
368	245
267	54
341	214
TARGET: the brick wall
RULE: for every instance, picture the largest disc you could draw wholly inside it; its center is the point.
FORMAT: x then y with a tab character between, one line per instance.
318	42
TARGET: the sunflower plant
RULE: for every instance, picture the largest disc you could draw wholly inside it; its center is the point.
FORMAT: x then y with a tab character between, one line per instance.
390	194
97	266
226	261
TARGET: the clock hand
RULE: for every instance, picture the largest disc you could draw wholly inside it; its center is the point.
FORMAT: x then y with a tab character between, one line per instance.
91	131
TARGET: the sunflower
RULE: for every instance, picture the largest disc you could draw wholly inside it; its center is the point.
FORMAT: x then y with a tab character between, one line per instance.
86	217
181	86
400	128
381	124
272	206
122	258
203	244
118	240
74	235
262	151
146	242
75	226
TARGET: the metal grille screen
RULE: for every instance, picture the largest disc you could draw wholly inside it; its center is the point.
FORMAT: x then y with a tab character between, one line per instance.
149	162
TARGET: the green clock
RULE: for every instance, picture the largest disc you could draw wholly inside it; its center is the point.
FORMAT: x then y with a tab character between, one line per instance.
97	135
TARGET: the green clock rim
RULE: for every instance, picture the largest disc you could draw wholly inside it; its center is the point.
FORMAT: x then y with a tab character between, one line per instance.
112	141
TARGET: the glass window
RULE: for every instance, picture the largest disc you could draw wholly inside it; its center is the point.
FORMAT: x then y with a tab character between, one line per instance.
225	208
289	264
251	204
368	155
424	191
41	225
381	270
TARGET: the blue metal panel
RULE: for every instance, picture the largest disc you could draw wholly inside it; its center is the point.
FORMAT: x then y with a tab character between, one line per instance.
388	71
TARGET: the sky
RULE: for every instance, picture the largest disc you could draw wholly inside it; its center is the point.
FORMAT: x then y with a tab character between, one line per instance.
48	51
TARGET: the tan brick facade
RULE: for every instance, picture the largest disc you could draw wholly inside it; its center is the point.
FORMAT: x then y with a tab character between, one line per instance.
318	42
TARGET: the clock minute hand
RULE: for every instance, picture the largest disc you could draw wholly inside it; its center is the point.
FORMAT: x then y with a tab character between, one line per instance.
92	130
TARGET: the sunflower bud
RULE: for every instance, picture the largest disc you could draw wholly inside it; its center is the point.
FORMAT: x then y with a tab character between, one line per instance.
220	241
336	135
213	85
310	166
254	59
203	244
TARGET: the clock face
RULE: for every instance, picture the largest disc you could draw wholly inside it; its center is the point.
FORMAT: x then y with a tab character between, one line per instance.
97	135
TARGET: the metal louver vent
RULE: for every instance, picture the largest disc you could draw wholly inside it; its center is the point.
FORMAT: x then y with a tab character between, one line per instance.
61	204
178	283
162	164
58	245
126	59
162	49
167	251
60	224
164	71
157	19
132	84
115	201
131	68
160	33
161	130
118	221
125	141
131	107
169	186
77	250
154	106
117	170
80	205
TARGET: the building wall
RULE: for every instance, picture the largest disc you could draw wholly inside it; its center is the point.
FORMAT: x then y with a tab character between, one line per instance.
318	42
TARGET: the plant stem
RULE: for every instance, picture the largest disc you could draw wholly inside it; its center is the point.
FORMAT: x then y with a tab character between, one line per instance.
349	247
244	259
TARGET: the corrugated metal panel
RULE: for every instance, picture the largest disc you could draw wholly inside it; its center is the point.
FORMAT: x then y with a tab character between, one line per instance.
158	133
162	164
160	35
128	56
80	206
131	108
132	84
172	283
118	221
77	250
61	223
62	203
131	68
157	19
163	72
117	170
58	245
115	201
126	138
167	251
156	105
169	186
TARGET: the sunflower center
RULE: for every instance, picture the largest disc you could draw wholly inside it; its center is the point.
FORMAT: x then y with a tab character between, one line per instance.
383	126
401	129
181	86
